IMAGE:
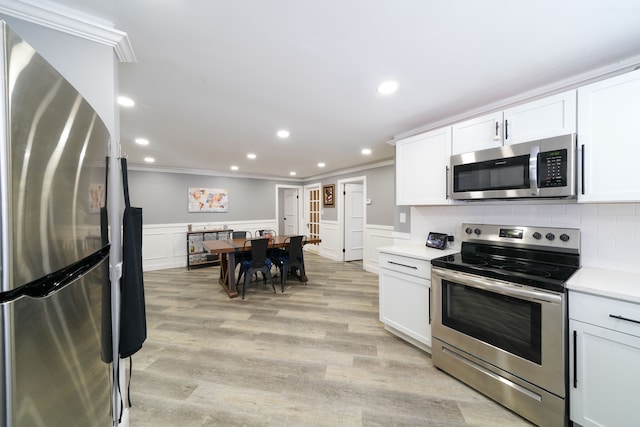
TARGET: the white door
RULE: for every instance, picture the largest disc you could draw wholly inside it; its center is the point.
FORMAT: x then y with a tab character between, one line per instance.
290	211
353	221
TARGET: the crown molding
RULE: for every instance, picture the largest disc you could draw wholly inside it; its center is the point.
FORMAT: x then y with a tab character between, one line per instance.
205	172
70	21
354	169
298	181
616	68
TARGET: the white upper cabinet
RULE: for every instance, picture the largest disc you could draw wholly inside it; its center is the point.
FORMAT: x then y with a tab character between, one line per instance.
477	134
422	163
547	117
544	118
609	139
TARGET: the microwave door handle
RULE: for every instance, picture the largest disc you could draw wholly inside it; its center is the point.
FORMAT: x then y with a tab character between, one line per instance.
533	171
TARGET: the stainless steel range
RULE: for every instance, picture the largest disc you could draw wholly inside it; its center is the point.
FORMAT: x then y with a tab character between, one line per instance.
500	316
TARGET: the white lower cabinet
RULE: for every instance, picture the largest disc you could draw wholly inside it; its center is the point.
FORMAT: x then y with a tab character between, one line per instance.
604	355
405	294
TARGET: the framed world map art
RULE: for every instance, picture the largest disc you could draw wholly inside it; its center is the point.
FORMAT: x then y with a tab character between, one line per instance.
203	199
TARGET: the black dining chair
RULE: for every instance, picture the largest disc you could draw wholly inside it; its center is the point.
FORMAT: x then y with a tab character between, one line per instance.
291	258
258	263
269	233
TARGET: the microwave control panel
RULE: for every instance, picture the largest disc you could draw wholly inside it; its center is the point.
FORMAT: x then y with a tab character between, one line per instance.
552	169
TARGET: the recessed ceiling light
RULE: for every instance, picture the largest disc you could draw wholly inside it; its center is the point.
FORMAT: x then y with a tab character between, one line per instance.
292	173
126	102
387	88
251	156
142	141
321	165
234	168
149	159
283	133
366	151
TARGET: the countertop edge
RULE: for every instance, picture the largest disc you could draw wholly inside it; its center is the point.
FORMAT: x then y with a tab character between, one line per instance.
619	285
414	250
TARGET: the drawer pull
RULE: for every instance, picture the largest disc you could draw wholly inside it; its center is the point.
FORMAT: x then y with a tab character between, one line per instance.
403	265
615	316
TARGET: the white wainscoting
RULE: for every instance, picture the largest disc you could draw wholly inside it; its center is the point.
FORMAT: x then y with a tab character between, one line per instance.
165	245
376	237
331	246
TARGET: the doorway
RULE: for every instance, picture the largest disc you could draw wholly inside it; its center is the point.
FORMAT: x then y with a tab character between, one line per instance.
311	214
352	217
288	208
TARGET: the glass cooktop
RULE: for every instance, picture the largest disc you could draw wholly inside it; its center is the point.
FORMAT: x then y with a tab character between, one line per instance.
528	267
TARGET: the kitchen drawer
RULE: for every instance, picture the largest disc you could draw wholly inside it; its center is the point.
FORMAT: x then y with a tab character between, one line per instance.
403	264
598	310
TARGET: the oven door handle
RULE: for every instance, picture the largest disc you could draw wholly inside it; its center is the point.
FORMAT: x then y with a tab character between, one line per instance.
498	286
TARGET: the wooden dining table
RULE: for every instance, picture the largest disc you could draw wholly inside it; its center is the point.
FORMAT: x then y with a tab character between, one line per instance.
229	249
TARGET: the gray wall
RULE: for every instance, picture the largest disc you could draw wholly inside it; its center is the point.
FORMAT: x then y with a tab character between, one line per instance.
380	189
163	196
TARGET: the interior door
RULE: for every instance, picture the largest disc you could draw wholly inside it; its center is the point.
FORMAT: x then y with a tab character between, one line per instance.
353	221
312	214
290	211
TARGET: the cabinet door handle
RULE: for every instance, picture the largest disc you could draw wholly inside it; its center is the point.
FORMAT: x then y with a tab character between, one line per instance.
429	304
575	359
403	265
506	130
446	182
617	316
582	168
497	135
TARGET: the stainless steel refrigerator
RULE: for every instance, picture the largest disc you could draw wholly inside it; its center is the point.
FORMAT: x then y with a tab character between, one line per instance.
54	257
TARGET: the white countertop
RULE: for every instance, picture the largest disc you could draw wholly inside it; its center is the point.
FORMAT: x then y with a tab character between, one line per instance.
419	251
608	283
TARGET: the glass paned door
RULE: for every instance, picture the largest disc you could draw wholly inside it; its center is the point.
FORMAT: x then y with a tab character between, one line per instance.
313	211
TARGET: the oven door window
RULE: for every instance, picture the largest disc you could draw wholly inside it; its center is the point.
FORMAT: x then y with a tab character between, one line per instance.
509	323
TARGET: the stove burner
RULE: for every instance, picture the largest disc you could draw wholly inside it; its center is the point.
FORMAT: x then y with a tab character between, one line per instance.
526	270
474	261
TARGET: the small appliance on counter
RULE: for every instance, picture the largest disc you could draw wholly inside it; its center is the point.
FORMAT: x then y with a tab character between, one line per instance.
437	240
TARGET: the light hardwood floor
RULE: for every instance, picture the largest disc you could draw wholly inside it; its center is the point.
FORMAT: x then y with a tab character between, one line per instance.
315	355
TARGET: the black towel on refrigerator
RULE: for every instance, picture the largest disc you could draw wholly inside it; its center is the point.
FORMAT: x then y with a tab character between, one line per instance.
133	322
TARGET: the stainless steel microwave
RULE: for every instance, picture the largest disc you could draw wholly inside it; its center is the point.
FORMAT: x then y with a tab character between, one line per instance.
544	168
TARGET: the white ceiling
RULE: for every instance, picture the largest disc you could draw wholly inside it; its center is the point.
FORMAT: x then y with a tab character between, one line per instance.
215	79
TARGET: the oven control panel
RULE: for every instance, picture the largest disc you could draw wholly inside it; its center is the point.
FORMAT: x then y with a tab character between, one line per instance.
562	239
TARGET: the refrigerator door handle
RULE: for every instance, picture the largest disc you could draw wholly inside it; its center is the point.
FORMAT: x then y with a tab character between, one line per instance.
57	280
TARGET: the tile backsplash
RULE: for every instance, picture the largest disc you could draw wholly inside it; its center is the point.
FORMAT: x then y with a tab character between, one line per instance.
610	233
